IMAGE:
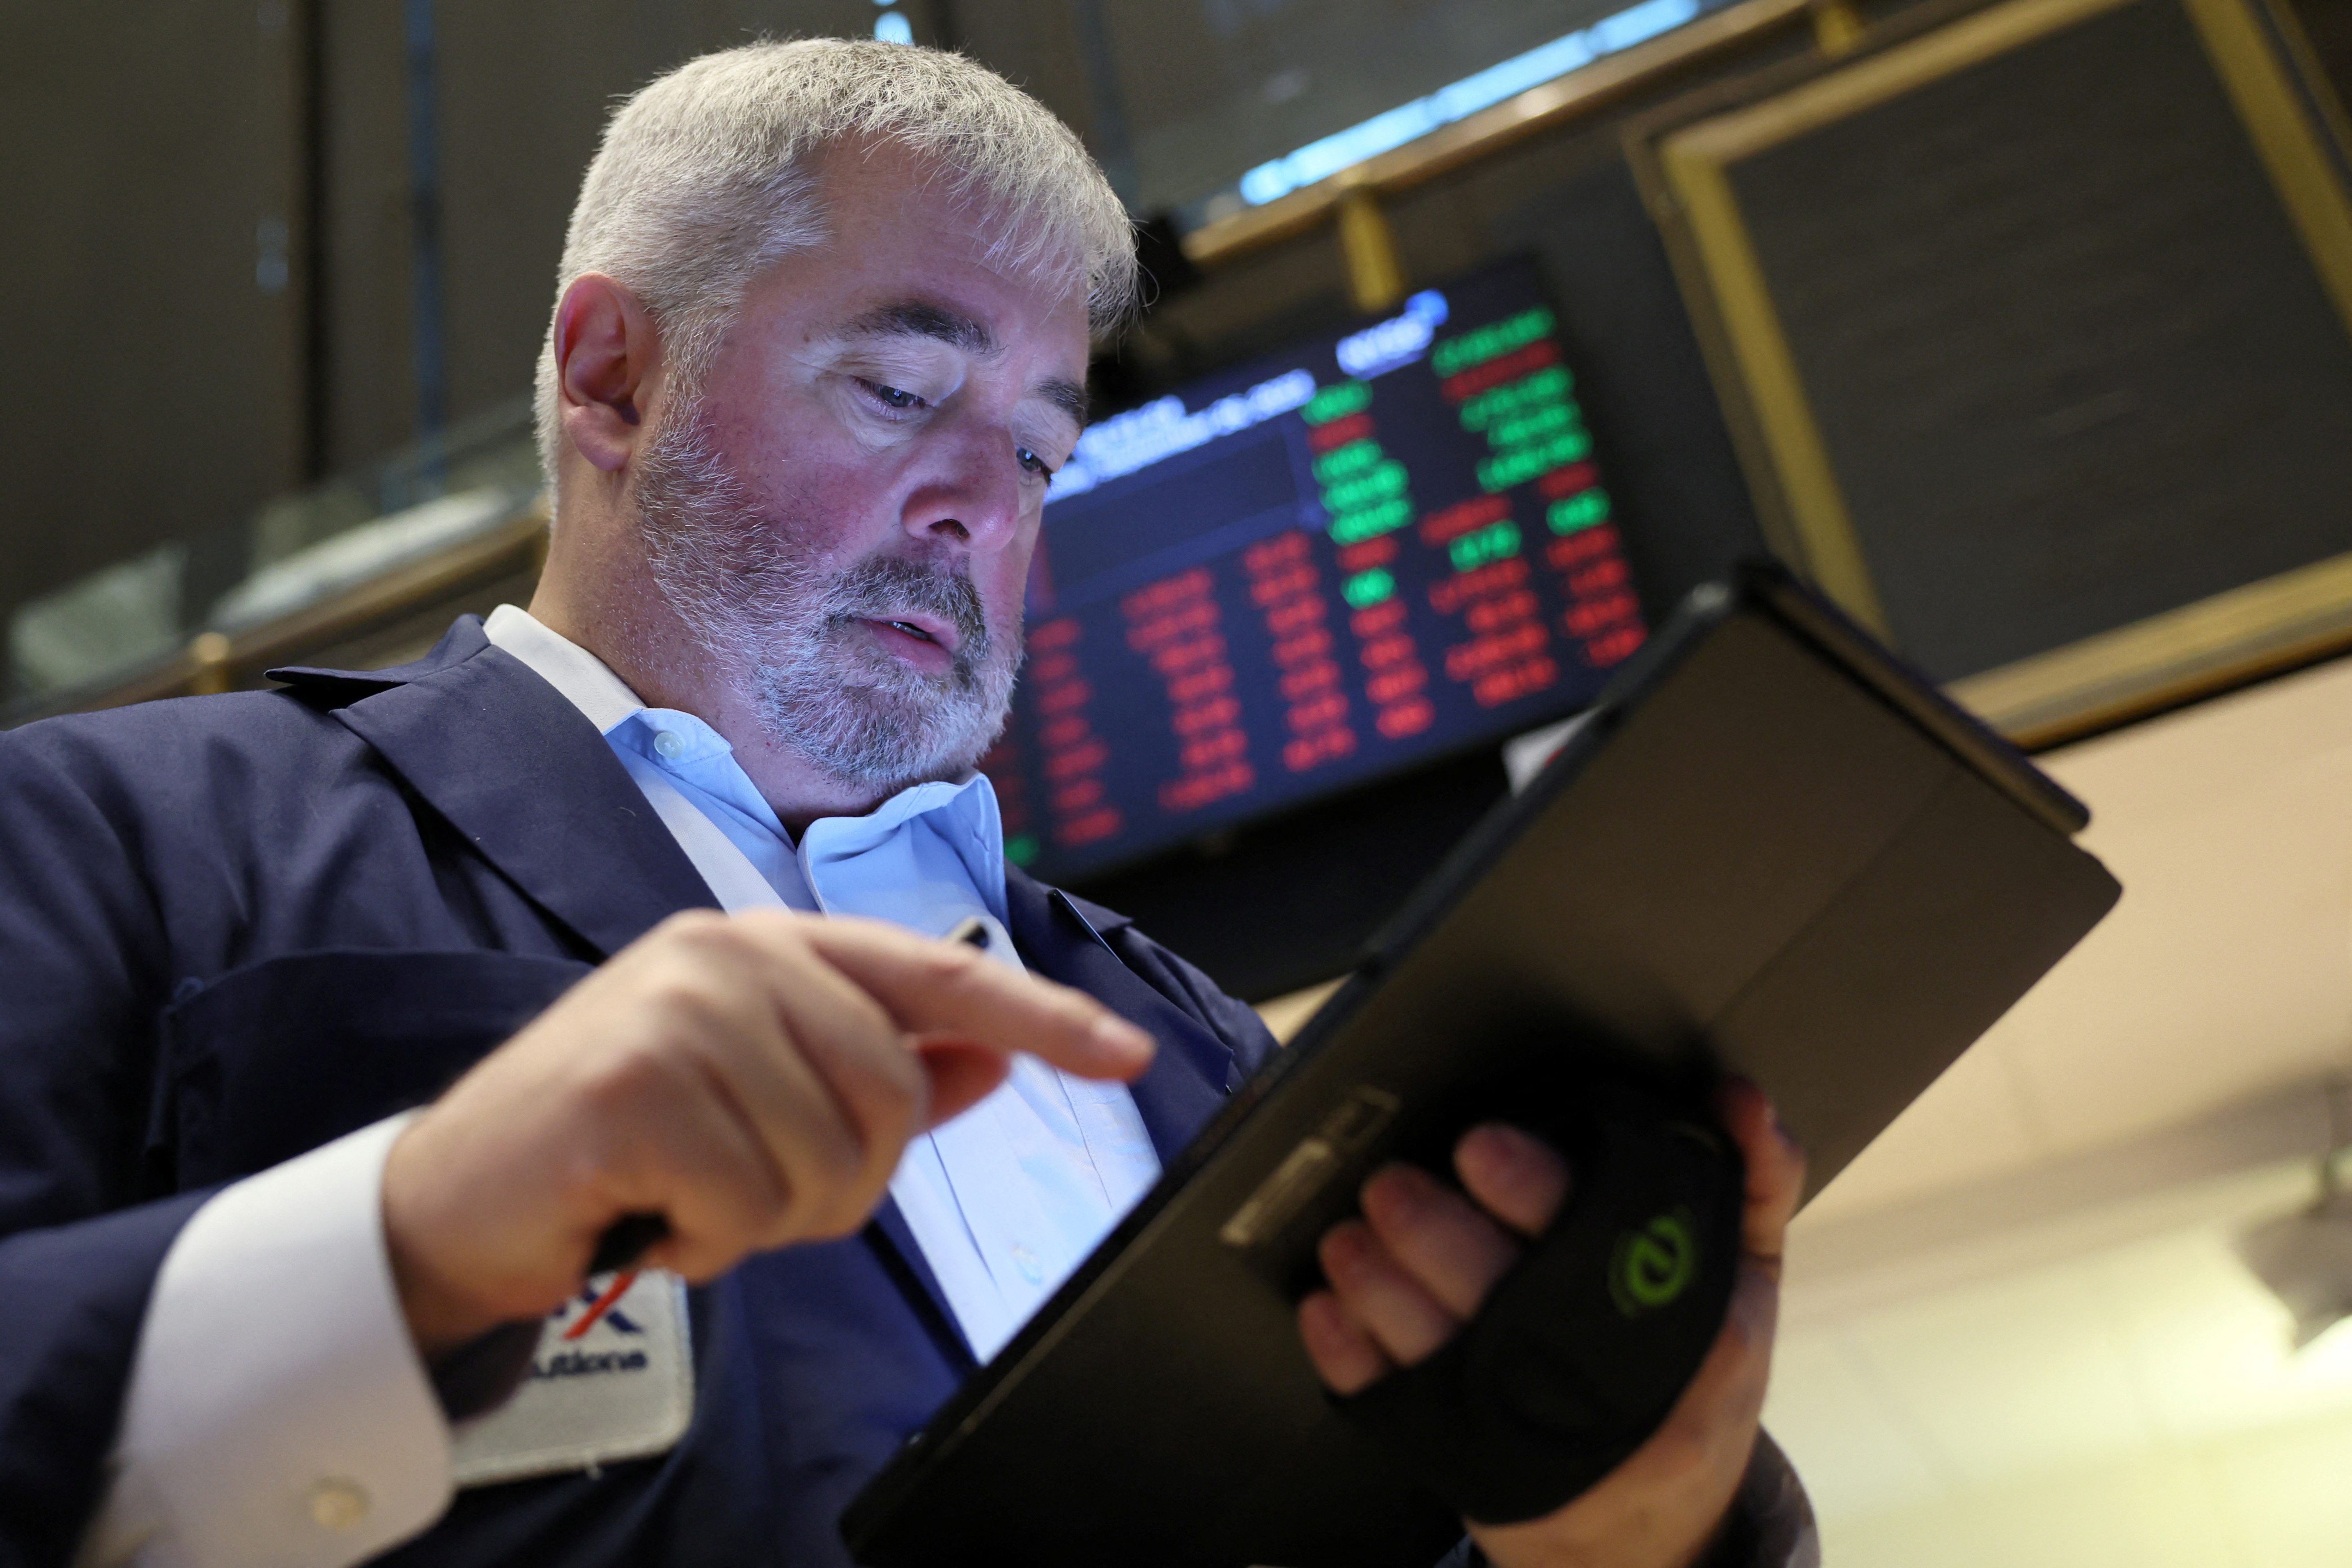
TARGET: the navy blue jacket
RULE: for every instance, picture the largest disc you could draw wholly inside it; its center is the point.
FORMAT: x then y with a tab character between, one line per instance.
234	928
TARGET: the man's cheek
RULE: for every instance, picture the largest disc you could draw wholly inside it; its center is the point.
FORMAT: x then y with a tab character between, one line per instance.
1005	590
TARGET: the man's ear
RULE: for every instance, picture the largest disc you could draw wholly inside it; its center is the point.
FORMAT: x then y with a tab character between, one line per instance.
606	351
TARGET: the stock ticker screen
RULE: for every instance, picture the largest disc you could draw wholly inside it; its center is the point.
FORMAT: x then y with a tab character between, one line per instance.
1371	549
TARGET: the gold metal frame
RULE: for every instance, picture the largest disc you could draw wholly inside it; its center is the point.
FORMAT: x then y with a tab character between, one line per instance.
2277	623
1581	94
2102	679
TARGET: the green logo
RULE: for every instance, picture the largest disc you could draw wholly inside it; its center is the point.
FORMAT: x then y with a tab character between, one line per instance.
1653	1265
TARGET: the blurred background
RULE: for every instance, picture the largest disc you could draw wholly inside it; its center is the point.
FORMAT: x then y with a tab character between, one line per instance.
1478	334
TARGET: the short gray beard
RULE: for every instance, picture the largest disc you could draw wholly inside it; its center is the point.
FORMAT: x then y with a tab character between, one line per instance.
745	585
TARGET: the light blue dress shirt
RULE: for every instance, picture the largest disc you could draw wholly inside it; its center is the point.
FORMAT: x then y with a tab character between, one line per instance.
1009	1197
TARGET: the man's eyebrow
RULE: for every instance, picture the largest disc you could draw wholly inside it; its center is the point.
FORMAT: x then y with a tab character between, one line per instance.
1066	395
914	320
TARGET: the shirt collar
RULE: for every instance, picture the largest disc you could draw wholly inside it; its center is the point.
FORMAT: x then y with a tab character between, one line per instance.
964	812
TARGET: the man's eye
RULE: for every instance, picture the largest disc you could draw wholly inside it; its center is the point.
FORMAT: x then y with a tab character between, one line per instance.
891	397
1032	462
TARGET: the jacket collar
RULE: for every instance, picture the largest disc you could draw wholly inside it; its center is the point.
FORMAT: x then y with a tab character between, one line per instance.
465	723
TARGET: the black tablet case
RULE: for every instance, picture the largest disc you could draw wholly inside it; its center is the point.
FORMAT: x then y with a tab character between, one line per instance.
1768	848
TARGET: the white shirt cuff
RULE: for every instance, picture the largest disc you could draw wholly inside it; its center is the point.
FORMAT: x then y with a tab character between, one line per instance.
278	1415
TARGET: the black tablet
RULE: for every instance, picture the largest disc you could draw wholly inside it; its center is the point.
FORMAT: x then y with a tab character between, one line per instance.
1768	849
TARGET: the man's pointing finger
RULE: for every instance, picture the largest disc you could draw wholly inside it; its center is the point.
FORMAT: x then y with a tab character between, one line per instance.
949	988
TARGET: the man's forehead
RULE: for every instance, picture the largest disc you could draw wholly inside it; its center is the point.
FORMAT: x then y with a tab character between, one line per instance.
935	322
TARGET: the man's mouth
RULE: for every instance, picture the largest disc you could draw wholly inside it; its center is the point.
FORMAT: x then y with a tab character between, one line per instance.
924	629
912	630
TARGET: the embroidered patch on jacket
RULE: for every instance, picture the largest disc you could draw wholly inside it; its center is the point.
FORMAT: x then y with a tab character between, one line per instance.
605	1384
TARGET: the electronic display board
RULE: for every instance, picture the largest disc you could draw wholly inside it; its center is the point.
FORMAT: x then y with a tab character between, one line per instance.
1376	548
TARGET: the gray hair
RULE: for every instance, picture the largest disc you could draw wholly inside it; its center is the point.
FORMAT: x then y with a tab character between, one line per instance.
706	178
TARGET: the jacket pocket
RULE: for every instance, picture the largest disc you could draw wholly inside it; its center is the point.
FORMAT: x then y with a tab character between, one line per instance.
272	1061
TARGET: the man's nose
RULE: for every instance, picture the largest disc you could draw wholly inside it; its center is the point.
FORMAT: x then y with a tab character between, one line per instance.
974	496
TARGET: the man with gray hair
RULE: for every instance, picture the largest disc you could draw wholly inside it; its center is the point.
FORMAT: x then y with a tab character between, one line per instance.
636	895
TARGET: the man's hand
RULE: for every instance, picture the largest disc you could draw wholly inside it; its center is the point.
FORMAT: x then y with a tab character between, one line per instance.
751	1078
1406	1277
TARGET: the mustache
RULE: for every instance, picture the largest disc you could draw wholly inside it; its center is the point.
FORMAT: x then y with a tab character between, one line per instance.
892	585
